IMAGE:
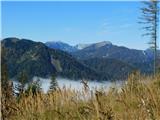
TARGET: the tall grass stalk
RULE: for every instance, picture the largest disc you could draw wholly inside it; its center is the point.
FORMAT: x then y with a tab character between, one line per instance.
138	99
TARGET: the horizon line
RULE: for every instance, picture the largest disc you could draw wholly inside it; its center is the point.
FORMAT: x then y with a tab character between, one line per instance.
20	38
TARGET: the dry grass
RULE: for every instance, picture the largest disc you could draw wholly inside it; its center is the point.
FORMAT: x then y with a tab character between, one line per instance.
138	99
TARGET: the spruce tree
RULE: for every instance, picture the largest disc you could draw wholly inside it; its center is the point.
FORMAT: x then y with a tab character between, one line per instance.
53	83
149	19
22	80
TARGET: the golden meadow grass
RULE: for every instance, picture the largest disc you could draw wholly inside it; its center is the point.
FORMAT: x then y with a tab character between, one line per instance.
138	99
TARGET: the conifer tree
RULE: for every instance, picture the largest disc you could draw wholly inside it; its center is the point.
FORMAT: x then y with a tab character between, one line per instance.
53	83
22	80
149	19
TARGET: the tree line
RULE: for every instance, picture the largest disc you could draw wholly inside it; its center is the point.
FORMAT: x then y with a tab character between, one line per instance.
10	94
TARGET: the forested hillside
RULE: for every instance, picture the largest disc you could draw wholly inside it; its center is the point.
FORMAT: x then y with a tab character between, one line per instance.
36	59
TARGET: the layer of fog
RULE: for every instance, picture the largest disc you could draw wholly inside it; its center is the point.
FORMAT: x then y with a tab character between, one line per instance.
76	84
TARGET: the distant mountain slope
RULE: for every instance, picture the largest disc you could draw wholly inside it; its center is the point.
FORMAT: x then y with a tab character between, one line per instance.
98	61
36	59
117	69
99	44
82	46
61	46
68	48
112	51
137	58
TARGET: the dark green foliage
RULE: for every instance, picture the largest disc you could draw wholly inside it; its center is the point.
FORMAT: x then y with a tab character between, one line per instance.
53	83
116	69
74	69
22	81
28	56
34	87
137	58
36	59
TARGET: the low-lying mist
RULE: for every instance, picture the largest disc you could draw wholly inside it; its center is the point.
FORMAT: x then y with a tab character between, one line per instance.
75	84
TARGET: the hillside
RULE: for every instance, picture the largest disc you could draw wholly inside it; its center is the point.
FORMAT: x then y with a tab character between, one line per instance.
36	59
139	59
116	68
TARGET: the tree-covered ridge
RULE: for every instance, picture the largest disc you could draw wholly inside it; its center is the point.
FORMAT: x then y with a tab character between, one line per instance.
117	69
28	56
36	59
142	60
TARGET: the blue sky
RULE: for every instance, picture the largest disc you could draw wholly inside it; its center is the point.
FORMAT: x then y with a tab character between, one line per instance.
74	22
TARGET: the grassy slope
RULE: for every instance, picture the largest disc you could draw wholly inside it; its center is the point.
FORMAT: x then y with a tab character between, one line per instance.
137	100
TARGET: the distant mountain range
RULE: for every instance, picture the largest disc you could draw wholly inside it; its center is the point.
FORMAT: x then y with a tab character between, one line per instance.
61	46
68	48
105	50
96	61
36	59
139	59
65	47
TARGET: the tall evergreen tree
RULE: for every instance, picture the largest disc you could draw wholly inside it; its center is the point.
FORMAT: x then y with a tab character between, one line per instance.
149	19
53	83
22	80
